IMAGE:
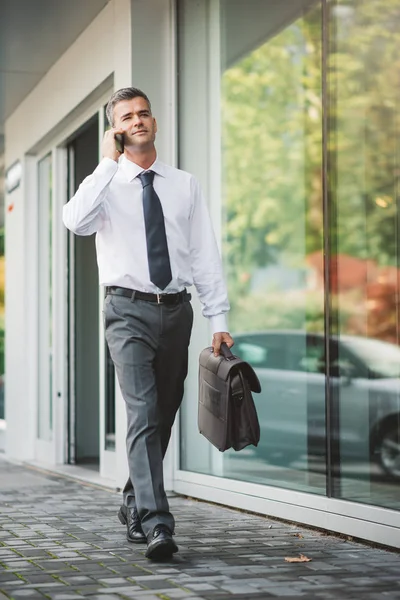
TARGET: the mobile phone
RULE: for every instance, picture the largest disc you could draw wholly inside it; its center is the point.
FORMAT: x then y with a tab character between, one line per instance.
119	142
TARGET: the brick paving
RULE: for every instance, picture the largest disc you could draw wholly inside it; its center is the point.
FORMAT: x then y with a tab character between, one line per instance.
61	540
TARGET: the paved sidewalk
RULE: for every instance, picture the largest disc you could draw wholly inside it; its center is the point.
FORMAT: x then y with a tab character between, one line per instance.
61	540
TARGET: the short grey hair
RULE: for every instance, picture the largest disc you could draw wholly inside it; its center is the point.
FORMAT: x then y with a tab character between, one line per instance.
123	94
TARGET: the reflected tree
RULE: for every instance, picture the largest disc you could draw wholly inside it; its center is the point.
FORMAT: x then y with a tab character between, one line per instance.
272	151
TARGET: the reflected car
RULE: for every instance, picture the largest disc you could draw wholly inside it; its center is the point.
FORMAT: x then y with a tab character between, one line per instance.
364	391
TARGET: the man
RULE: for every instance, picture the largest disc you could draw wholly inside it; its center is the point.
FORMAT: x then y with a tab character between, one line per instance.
153	240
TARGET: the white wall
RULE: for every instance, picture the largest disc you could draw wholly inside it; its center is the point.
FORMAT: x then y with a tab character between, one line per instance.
133	40
103	49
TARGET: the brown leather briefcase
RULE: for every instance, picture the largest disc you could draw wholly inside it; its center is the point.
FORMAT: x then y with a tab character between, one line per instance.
227	415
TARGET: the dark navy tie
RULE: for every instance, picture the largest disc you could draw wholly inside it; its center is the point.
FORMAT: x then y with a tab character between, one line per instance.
157	247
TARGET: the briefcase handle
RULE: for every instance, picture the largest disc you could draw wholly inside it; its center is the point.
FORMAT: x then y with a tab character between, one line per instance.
226	352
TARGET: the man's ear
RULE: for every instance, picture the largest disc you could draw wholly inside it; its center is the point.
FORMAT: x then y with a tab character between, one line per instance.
155	125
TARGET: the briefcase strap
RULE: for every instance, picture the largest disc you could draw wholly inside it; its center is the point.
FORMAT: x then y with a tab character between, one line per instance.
226	352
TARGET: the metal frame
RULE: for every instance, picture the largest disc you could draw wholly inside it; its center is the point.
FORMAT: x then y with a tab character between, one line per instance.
70	312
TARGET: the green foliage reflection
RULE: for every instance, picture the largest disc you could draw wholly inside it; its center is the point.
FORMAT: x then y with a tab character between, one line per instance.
272	171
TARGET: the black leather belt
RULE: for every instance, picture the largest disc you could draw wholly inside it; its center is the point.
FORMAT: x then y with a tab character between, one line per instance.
177	298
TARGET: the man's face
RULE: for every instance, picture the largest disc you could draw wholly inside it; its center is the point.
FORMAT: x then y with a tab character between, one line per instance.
135	118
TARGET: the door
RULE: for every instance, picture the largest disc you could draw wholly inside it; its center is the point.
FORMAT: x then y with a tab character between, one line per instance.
83	300
45	447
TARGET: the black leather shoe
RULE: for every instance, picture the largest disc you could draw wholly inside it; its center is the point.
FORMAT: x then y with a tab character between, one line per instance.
160	544
130	518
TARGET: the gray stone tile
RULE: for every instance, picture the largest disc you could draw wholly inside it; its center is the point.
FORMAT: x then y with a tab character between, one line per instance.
53	545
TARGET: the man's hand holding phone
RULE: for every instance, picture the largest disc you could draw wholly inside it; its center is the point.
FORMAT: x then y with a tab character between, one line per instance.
113	144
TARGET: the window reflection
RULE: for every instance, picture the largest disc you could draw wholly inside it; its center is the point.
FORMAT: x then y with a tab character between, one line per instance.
272	192
364	150
277	267
364	389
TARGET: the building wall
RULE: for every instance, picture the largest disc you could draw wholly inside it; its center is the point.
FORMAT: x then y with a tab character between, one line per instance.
113	52
63	93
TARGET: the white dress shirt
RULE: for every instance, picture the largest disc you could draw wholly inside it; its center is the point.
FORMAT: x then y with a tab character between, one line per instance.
110	203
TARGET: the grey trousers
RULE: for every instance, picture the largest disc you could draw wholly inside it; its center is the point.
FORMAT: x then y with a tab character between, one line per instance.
148	344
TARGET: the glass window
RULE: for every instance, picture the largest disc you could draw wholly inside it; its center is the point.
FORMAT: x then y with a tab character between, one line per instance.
364	232
45	316
266	90
2	324
252	73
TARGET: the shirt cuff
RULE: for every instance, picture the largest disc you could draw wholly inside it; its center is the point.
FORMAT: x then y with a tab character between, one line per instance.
218	323
107	166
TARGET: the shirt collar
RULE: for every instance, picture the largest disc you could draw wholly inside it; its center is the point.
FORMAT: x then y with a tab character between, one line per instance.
132	170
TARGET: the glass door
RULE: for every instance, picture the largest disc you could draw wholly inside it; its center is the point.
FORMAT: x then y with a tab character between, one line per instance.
91	404
45	390
84	403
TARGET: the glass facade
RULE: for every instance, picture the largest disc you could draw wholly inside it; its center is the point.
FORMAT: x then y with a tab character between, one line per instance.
297	131
364	165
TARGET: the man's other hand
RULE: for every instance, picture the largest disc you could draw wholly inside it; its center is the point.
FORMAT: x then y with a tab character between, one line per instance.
218	338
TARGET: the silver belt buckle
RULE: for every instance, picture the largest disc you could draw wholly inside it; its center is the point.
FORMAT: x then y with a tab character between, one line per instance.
159	301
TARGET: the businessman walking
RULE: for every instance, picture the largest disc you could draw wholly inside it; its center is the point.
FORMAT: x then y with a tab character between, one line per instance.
153	240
